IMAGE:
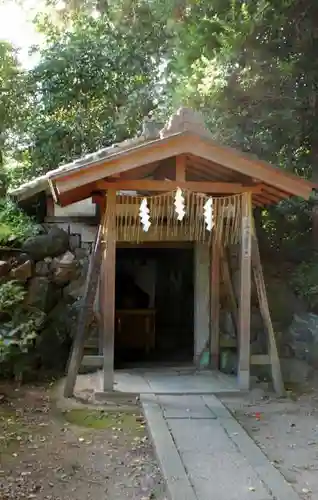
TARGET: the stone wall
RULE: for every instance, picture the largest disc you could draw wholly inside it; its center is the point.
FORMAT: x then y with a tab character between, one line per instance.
53	268
81	233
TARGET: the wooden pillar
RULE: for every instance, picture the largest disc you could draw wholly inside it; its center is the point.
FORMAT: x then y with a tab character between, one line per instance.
98	313
244	314
181	168
85	313
107	291
228	284
201	300
100	204
265	312
215	306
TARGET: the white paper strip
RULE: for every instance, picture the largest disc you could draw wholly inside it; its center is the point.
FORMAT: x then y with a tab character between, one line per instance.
208	214
144	215
179	204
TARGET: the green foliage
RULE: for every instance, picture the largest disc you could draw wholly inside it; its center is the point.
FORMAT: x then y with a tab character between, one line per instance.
286	229
18	330
12	294
94	83
305	282
12	99
249	66
15	225
16	340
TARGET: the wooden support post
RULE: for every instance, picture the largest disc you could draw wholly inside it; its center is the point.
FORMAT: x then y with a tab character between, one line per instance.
99	317
108	273
85	314
265	313
100	202
226	274
181	168
244	315
215	306
202	254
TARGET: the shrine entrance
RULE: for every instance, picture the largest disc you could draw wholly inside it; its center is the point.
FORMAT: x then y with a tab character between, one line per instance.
154	302
179	186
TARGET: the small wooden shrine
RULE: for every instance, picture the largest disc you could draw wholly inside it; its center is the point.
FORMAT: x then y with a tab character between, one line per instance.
177	185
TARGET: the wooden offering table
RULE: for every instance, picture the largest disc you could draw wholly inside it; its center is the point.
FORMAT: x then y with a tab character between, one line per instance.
135	329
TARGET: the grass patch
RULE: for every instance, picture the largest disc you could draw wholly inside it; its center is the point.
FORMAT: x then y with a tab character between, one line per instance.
97	419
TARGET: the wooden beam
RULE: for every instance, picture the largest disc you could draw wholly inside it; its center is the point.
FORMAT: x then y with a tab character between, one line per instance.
98	314
95	361
215	306
184	245
181	161
226	274
49	206
85	314
265	313
107	285
244	316
54	191
160	233
252	167
165	170
185	143
167	185
75	195
120	161
260	359
99	199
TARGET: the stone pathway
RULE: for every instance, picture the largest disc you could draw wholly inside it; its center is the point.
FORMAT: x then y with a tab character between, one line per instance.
169	380
205	454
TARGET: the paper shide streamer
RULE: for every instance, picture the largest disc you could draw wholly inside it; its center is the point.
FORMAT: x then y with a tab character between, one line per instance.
194	216
208	214
144	214
179	204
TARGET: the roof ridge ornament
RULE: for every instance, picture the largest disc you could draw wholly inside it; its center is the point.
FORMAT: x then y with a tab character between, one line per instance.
151	128
185	120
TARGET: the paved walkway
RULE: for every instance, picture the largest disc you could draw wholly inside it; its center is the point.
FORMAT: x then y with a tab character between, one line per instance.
205	454
169	380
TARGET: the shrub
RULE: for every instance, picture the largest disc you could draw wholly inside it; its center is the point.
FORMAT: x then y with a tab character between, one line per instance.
305	281
19	330
12	295
15	225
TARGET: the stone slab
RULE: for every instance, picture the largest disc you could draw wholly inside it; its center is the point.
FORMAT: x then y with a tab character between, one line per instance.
173	470
207	438
274	480
180	407
205	383
209	458
224	476
173	381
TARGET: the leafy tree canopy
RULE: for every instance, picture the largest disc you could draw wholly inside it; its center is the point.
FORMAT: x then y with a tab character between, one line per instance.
250	66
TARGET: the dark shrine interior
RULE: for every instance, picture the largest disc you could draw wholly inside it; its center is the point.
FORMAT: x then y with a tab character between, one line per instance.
154	306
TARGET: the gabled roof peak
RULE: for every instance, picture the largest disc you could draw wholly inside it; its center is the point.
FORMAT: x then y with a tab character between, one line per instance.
185	120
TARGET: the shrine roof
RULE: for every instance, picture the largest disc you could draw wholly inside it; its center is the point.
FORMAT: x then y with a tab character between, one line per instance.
184	134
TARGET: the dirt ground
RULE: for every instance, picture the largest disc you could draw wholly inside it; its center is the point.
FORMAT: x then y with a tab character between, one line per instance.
287	432
85	454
